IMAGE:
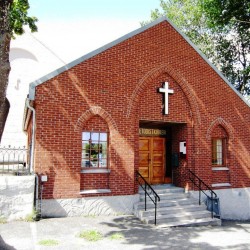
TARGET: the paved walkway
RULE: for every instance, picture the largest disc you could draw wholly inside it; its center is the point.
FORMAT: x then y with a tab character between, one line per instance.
127	233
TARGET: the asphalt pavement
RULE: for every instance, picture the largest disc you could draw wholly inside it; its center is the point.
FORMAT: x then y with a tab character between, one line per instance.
120	232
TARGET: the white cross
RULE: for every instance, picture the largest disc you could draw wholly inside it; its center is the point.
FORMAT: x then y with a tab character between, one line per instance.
166	91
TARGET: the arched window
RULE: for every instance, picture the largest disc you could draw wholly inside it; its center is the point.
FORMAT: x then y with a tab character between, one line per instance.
95	137
219	142
94	149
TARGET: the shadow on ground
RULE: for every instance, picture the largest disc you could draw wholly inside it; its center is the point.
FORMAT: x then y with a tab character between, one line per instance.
4	246
152	237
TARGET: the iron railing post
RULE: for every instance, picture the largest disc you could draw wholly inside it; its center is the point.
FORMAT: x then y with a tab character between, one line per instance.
193	177
148	190
199	192
212	210
155	208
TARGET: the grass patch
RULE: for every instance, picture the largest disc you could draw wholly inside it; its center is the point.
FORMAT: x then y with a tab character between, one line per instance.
31	217
91	235
116	236
48	242
90	216
3	220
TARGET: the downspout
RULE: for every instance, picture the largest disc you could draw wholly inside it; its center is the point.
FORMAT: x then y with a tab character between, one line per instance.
32	159
33	135
38	212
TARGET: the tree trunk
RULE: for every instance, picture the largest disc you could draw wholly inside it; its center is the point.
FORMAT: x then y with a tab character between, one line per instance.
5	37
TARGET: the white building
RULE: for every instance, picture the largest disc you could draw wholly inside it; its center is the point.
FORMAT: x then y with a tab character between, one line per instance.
29	60
34	55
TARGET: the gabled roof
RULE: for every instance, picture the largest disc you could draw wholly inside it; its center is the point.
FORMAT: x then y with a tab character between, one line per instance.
49	76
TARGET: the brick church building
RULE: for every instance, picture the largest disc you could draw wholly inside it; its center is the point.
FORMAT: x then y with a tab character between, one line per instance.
149	101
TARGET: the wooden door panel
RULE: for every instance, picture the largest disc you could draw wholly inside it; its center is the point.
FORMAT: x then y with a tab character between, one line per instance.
144	144
144	158
158	144
158	160
157	175
157	171
144	172
152	159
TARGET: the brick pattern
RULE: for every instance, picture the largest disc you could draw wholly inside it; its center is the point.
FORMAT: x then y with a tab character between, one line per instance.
94	181
220	177
120	86
224	125
172	74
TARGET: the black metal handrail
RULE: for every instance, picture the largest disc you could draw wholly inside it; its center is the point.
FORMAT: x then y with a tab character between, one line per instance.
200	184
148	191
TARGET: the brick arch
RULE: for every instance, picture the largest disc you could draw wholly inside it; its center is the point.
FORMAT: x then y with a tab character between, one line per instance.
220	122
96	110
181	81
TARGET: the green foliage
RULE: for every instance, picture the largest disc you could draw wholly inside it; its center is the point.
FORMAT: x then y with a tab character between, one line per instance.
32	216
3	220
92	216
221	30
91	235
186	15
18	17
48	242
229	22
116	236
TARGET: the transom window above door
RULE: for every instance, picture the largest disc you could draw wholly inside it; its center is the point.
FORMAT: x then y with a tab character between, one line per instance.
94	149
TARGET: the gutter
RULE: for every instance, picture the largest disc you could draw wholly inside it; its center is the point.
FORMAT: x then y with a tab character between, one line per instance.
25	124
28	109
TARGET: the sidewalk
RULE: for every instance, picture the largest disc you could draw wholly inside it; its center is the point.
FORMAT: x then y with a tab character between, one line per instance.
121	232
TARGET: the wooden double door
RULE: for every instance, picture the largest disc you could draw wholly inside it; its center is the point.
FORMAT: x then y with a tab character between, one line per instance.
152	159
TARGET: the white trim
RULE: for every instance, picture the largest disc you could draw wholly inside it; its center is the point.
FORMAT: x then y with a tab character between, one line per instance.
221	185
220	169
95	171
95	191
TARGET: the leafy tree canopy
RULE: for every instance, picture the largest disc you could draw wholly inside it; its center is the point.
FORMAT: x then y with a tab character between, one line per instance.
18	17
221	30
13	18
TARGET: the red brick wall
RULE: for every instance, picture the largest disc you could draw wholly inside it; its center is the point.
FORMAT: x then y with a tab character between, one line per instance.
95	123
94	181
220	177
120	85
219	132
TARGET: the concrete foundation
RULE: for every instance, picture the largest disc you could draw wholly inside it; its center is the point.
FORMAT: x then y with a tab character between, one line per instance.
16	196
109	205
234	203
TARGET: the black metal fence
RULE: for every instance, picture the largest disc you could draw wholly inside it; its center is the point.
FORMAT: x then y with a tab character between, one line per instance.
13	161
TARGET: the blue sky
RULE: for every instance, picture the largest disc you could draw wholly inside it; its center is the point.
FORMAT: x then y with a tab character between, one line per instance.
90	9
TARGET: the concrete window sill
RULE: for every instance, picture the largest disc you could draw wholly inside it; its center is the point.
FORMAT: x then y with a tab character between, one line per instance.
95	191
221	185
95	171
220	169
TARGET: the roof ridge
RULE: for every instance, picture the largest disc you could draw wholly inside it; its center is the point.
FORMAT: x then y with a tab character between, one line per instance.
99	50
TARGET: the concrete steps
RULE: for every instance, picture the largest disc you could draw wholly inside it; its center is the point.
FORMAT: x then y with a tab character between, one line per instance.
176	208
